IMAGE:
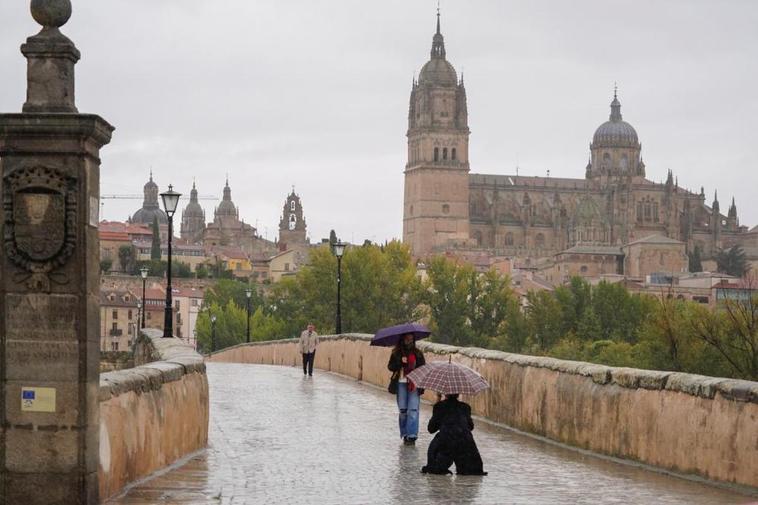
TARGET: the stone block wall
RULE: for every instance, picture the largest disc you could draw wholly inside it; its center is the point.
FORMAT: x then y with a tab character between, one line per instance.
151	415
688	424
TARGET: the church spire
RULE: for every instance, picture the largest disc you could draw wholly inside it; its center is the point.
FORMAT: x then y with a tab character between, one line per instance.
615	105
438	42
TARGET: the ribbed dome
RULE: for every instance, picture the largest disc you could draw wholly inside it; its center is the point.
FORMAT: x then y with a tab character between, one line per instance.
226	207
193	208
147	216
438	71
615	132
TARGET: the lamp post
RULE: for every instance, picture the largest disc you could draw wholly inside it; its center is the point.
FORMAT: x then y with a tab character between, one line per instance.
213	332
339	250
248	294
170	202
139	317
143	272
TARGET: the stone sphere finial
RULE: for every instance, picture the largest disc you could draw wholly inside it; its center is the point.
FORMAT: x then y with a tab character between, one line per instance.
51	13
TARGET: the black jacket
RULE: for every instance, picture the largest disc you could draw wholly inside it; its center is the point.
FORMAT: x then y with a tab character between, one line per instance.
450	414
396	360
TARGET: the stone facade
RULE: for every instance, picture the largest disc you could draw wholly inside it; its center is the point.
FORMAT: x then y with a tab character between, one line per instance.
292	227
521	217
49	279
119	319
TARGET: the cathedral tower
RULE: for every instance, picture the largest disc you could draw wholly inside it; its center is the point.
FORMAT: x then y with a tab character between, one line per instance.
193	219
436	201
615	148
292	228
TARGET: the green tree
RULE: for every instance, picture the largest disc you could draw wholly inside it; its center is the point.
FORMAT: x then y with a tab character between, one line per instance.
127	258
181	270
447	291
155	246
333	237
105	265
545	316
732	261
695	259
201	271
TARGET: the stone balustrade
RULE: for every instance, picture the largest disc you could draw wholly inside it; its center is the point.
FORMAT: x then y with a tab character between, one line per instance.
151	415
691	425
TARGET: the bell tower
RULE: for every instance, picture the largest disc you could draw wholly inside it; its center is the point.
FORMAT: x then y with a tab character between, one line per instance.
436	198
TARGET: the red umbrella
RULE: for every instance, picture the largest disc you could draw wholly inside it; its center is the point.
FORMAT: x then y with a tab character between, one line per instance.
448	378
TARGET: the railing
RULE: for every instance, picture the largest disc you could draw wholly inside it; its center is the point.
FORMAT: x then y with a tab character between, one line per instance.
116	333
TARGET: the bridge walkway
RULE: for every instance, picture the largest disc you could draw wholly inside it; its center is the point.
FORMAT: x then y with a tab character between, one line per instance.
277	437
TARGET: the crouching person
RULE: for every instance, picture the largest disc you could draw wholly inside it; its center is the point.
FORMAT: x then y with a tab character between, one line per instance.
454	443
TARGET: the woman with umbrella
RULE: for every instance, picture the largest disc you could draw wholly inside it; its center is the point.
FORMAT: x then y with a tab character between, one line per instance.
404	359
451	418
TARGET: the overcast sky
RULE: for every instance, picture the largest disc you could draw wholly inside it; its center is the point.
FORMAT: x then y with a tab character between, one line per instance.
315	94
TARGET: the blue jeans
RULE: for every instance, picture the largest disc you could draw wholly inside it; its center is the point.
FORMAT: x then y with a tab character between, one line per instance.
408	404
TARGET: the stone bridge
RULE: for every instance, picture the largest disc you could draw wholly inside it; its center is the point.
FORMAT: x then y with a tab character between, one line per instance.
279	437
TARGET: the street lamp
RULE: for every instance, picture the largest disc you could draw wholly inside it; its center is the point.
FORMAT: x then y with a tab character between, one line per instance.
143	272
339	250
170	202
248	294
213	332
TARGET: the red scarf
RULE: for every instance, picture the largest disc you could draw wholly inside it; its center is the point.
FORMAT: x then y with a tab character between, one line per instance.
408	368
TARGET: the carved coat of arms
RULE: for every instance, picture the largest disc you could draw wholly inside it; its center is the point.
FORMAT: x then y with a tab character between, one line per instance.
39	207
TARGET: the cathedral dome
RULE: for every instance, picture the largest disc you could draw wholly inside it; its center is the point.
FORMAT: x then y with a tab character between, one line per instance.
193	208
438	71
226	207
615	132
150	208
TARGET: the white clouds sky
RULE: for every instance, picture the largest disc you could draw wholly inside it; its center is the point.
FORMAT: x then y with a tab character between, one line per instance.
315	94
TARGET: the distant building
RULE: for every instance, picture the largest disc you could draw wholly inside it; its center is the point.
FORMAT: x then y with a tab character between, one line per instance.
193	220
151	208
118	319
292	227
447	208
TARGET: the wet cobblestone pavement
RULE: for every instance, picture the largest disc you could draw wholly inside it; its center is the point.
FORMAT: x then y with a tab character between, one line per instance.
279	438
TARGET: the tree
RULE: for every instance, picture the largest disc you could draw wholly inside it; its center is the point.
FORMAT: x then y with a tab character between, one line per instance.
155	246
732	330
105	265
732	261
126	258
201	271
181	270
446	295
695	259
545	316
333	237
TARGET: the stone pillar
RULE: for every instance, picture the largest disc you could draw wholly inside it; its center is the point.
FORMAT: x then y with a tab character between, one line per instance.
49	284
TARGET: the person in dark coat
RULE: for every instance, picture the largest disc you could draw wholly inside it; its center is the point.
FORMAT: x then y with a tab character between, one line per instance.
454	443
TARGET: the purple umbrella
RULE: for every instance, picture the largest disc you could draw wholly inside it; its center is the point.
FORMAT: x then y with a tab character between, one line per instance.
389	337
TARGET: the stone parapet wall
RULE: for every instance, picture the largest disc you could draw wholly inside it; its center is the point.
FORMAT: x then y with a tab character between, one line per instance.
151	415
688	424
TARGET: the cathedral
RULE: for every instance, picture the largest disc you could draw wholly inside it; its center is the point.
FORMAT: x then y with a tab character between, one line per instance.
446	207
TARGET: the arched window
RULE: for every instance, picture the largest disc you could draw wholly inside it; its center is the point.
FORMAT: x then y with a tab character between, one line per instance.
509	238
292	205
436	154
444	153
539	240
624	163
445	209
452	154
583	269
411	210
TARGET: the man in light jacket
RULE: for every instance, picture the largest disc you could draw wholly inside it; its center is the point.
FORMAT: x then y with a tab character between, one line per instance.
308	343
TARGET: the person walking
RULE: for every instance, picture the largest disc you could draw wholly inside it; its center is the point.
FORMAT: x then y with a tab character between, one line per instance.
308	343
454	443
405	357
